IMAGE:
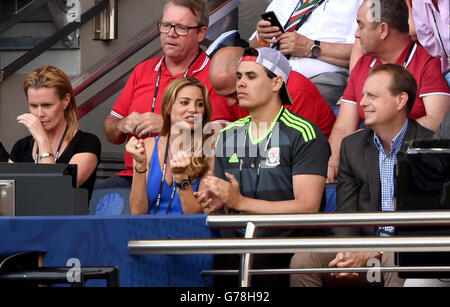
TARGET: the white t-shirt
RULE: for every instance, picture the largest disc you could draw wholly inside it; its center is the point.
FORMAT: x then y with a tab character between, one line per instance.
334	21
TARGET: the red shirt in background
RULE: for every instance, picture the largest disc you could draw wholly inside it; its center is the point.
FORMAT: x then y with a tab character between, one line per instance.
425	69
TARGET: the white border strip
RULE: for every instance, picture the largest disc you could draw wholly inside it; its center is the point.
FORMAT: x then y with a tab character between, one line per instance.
205	62
159	64
412	55
349	101
432	94
116	115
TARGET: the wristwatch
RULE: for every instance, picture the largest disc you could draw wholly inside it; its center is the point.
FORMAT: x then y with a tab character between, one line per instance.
184	184
315	50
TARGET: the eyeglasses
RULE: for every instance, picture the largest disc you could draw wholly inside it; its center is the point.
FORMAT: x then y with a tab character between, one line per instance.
181	30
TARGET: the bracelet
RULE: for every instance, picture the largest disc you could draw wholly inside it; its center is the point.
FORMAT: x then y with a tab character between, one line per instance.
261	42
139	172
46	155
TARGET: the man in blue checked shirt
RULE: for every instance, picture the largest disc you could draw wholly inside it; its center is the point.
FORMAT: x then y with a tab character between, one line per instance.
366	174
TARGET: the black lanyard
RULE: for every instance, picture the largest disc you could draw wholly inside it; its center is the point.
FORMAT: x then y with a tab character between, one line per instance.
158	199
259	157
57	150
155	94
405	63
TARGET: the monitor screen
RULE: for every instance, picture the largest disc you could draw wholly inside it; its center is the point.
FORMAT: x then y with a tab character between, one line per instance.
423	183
423	176
40	189
32	169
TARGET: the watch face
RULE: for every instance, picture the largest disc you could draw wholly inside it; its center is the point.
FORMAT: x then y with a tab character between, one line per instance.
184	184
315	51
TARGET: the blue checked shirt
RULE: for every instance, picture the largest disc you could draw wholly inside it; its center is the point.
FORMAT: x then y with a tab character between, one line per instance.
387	164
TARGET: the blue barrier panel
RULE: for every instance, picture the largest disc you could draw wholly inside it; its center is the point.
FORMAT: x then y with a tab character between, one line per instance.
103	241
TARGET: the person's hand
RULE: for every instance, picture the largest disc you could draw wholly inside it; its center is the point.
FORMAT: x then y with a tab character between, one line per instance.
268	33
33	125
295	44
128	124
333	166
228	192
141	124
208	201
351	260
148	123
179	164
135	147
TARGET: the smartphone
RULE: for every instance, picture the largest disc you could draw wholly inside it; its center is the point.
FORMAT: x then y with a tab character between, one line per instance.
270	16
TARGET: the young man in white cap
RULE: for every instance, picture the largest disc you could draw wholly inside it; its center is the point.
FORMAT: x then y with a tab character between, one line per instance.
272	161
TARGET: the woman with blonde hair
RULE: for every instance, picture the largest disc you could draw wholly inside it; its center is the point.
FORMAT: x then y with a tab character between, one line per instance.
53	125
168	169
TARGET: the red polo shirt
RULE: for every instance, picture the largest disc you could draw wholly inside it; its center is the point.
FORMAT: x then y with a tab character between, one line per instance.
425	69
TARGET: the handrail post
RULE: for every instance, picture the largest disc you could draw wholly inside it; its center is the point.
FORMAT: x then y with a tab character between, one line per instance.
21	14
142	40
247	258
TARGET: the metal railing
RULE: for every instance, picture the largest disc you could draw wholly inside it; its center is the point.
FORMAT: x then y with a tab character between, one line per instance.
51	40
133	46
289	245
250	245
83	82
413	218
21	14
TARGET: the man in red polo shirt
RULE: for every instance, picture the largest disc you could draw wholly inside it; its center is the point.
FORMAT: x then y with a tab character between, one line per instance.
383	32
137	111
306	98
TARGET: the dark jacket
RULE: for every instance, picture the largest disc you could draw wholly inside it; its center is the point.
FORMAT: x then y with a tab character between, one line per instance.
359	187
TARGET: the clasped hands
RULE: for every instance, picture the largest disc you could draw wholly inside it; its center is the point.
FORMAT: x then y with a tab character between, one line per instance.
219	194
290	42
351	260
141	125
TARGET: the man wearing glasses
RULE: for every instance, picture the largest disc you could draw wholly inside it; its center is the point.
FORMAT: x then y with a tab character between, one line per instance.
137	111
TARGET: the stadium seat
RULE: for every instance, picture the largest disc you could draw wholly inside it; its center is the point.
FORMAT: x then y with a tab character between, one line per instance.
110	202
